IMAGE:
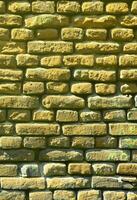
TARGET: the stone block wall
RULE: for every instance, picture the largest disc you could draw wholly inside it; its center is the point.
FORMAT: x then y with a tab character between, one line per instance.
68	100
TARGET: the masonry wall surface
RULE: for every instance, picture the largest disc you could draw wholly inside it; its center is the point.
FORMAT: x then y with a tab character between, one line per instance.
68	85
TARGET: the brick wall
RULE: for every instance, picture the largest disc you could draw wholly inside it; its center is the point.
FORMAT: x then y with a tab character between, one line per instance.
68	85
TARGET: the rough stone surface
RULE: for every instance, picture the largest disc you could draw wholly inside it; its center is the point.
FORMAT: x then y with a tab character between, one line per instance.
68	100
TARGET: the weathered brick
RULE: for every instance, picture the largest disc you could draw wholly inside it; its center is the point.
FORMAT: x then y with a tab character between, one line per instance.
41	194
83	142
4	34
134	7
57	88
107	155
69	7
9	20
66	116
109	102
123	129
46	20
134	156
65	194
95	22
10	47
34	142
90	116
10	88
128	75
122	34
51	61
10	75
105	89
26	60
97	47
117	8
60	155
129	21
23	183
6	129
115	115
8	170
67	182
72	34
21	34
27	102
127	169
56	101
81	88
131	196
114	195
18	115
59	142
78	60
54	169
128	142
96	34
42	47
128	60
79	168
89	194
43	7
16	155
85	129
8	61
2	115
132	114
112	182
93	7
105	142
12	195
37	129
128	88
48	74
33	88
19	7
103	169
2	7
106	61
95	75
46	115
10	142
130	48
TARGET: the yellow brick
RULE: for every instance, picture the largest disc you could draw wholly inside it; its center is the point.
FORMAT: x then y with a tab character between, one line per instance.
105	89
67	116
19	7
43	7
93	7
71	34
79	168
43	115
33	88
8	170
117	8
68	7
81	88
57	88
40	195
23	183
10	142
21	34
